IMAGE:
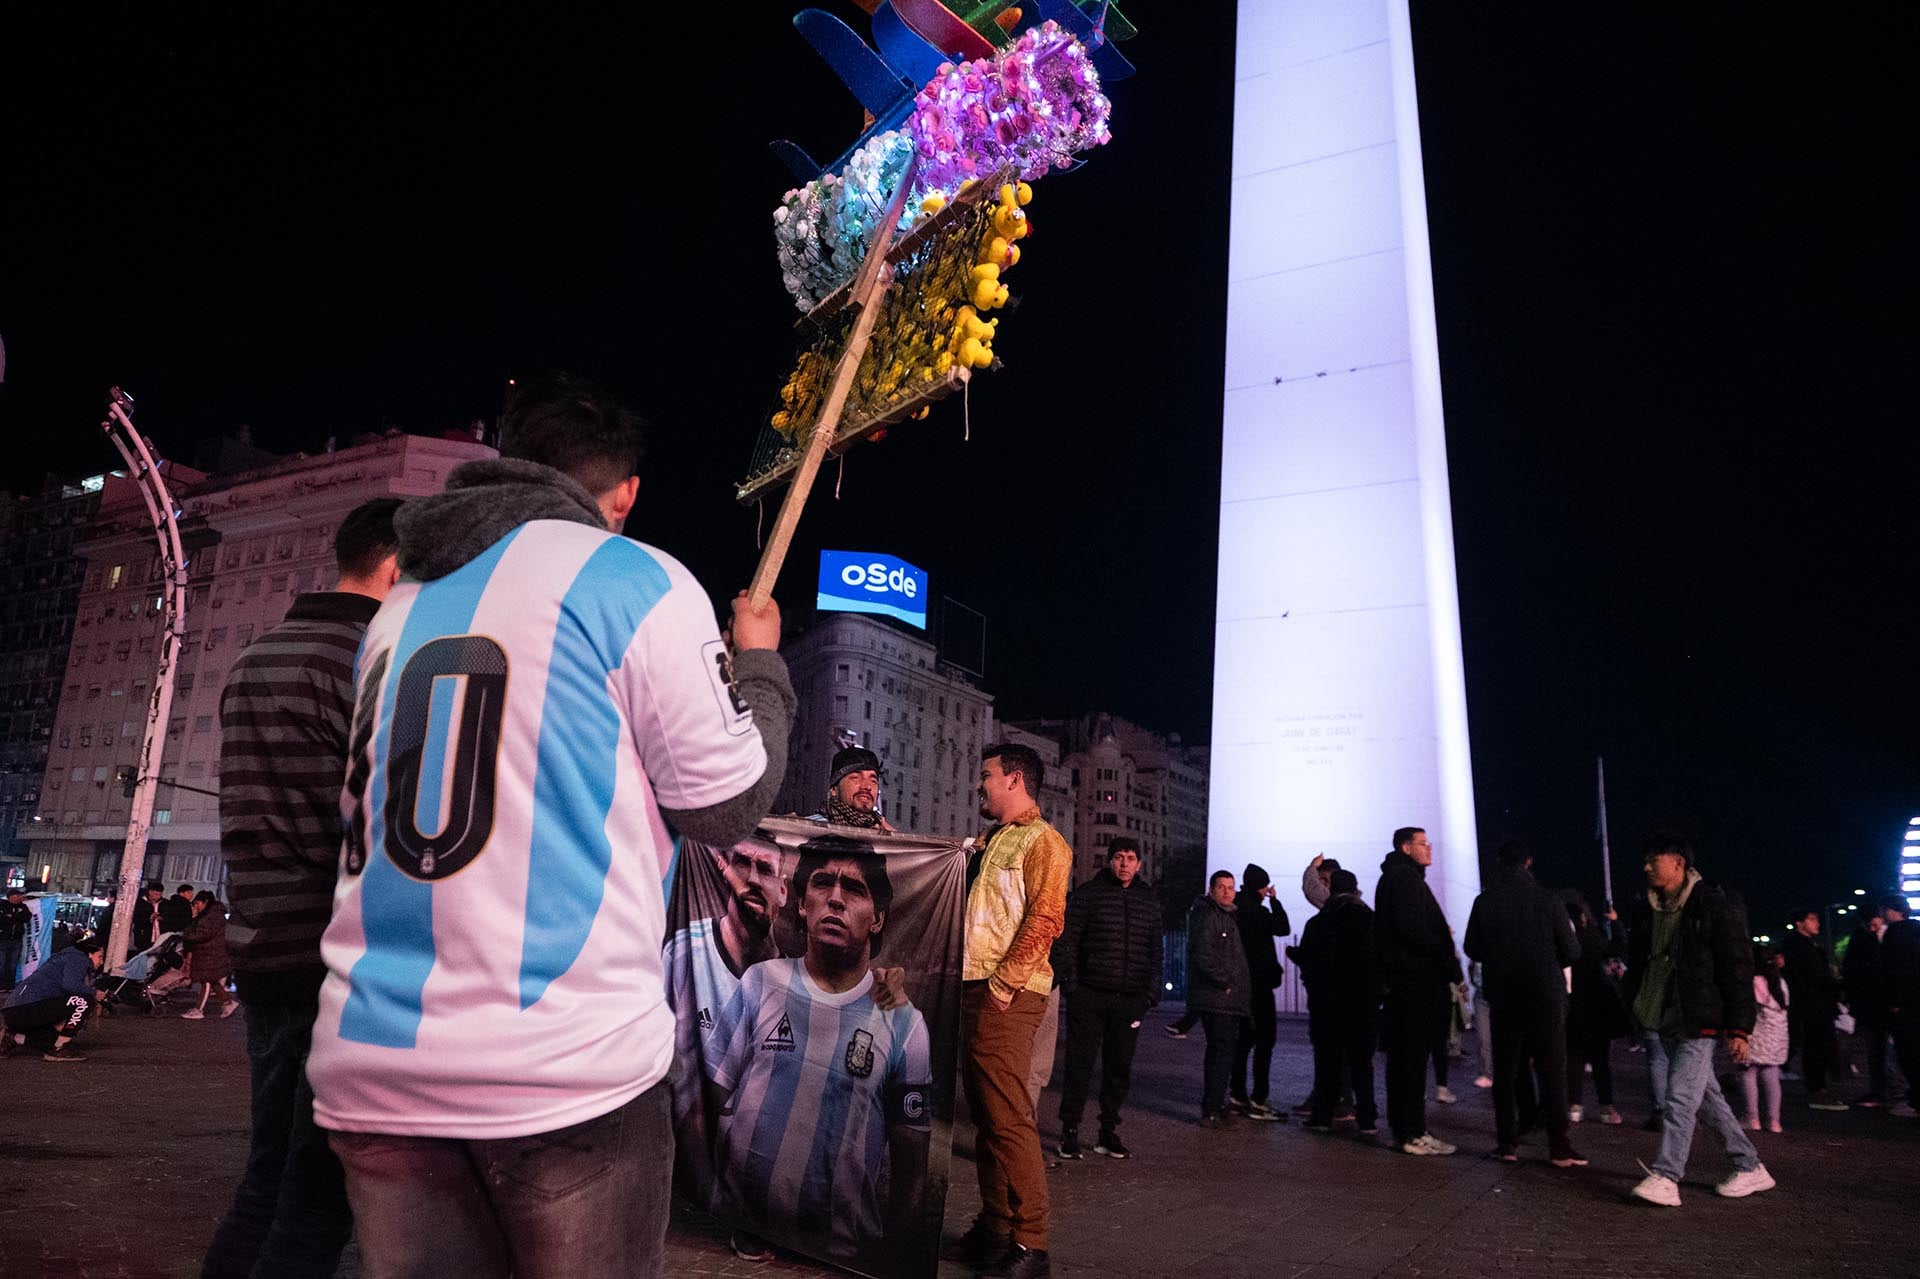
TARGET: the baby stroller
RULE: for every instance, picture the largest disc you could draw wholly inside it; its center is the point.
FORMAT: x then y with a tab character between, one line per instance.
144	980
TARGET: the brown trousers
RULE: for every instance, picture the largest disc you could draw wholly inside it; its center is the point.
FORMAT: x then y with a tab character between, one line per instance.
999	1053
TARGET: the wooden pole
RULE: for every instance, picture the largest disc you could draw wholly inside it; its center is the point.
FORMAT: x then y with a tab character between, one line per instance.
869	287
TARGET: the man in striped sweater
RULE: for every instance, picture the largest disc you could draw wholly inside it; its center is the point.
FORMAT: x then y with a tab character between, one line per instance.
284	718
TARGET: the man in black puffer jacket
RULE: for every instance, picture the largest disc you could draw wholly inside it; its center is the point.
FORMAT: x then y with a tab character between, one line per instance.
1107	963
1522	938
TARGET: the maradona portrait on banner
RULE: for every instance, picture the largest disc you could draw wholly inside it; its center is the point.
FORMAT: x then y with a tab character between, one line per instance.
822	1099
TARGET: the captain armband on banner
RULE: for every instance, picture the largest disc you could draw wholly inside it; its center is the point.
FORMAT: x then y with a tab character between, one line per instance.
907	1104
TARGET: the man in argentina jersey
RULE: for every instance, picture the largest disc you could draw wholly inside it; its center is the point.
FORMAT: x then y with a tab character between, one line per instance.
538	698
818	1088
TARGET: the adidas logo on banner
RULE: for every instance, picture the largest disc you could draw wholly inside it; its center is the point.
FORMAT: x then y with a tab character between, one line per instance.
780	1038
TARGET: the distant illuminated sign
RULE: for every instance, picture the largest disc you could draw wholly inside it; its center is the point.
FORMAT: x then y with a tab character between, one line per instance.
93	484
865	582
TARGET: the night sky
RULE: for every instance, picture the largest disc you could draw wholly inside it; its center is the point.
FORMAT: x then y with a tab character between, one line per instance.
1668	257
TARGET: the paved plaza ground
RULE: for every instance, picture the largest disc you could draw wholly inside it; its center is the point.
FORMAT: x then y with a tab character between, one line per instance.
120	1166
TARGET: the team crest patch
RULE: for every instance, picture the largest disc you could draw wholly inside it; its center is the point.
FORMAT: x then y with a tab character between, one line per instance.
860	1054
735	715
780	1038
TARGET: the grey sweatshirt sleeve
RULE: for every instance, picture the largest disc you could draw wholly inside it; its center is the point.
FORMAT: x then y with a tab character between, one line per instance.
760	674
1317	892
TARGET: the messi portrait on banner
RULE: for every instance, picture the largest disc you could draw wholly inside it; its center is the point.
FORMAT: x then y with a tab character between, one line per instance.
814	973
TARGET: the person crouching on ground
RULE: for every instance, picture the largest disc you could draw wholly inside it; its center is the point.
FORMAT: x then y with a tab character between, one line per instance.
47	1009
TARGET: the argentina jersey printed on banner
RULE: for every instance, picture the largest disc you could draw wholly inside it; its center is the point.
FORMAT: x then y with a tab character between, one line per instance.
494	963
814	1082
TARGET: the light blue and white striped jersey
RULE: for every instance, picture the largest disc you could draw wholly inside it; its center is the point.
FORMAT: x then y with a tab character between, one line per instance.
494	959
815	1081
699	984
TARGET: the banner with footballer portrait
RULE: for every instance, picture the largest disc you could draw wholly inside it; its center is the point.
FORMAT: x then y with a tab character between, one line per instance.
814	972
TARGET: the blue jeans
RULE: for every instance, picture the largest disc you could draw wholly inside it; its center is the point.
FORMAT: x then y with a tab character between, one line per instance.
1656	1069
1223	1042
1693	1093
290	1215
588	1201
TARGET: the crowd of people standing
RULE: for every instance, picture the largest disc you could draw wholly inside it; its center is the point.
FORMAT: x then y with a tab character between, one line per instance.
1715	1015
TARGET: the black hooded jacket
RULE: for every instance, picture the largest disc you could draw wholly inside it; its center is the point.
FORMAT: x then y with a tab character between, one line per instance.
1261	919
1335	958
1521	936
1410	936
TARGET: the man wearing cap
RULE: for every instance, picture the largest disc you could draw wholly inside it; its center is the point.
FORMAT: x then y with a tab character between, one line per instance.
47	1009
1261	919
853	791
1690	981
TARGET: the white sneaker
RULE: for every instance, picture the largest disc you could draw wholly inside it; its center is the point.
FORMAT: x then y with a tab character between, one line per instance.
1444	1095
192	1014
1433	1145
1483	1081
1656	1189
233	1006
1742	1184
1418	1146
1575	1114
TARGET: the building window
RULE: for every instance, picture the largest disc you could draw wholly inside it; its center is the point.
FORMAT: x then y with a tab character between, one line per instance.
216	637
203	723
869	714
114	575
840	706
840	673
250	591
164	817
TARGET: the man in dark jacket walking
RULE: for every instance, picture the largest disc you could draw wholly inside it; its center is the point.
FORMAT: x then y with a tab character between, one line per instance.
1814	1002
1335	958
1690	981
1415	952
1522	938
1107	964
1217	983
1261	918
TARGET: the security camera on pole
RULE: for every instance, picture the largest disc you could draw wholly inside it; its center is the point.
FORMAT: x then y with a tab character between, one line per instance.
173	597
